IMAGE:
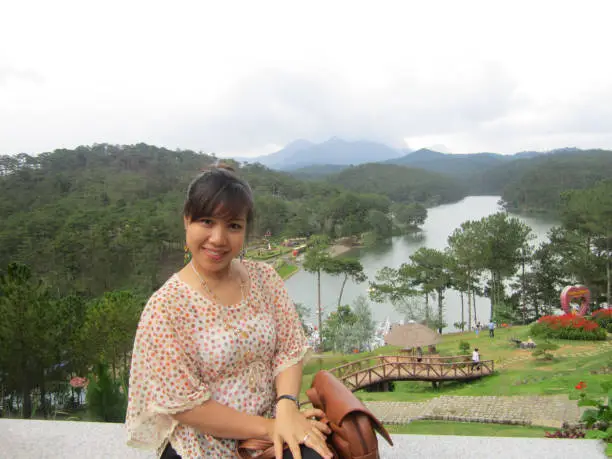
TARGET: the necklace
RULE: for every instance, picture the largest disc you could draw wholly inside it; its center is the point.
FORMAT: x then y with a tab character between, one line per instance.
226	323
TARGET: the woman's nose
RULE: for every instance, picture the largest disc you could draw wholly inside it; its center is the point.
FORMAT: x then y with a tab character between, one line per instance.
218	234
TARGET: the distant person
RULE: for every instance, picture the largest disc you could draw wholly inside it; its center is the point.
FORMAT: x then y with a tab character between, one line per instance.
419	354
491	329
477	329
475	359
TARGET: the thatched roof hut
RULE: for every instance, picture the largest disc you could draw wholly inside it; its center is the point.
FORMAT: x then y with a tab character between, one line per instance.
412	335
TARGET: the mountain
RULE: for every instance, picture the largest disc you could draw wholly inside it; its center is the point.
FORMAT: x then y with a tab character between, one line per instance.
334	152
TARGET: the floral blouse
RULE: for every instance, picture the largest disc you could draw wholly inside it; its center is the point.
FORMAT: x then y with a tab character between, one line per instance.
189	349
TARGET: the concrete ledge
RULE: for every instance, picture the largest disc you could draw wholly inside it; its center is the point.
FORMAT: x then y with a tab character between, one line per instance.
64	439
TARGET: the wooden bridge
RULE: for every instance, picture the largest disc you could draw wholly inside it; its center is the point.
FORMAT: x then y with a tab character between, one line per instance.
374	370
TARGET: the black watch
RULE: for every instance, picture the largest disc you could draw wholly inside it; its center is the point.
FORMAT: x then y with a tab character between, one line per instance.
289	397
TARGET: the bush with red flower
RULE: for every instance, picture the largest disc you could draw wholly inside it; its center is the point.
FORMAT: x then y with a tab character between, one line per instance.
568	326
603	317
596	419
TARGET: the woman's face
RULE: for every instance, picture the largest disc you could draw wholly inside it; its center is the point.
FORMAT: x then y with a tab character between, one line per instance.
214	242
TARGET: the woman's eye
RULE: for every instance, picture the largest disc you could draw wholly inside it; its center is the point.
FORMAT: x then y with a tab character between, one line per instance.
236	226
207	221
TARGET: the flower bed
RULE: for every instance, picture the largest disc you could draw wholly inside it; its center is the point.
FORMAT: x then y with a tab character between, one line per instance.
603	317
568	326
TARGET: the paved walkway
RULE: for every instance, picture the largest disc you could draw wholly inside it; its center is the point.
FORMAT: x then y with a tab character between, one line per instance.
546	411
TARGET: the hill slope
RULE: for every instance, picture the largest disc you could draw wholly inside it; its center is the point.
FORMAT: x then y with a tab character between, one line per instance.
401	184
454	165
537	184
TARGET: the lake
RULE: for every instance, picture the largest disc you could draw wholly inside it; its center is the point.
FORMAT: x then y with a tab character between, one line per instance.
441	222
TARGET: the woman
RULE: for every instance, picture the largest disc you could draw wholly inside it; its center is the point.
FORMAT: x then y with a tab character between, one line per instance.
219	348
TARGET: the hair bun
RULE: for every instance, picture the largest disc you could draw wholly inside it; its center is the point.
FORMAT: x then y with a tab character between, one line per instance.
218	165
225	166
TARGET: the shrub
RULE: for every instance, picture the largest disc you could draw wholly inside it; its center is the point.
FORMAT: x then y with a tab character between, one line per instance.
568	326
543	350
567	432
464	347
598	417
106	397
603	317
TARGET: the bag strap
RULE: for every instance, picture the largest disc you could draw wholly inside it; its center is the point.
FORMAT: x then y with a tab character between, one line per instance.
254	444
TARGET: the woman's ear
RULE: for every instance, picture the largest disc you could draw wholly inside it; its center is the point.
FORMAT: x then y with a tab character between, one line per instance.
186	222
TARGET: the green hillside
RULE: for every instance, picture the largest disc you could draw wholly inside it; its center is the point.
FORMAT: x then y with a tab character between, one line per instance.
401	184
536	184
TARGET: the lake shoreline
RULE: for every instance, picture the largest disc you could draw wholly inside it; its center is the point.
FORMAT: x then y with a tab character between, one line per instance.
440	224
337	250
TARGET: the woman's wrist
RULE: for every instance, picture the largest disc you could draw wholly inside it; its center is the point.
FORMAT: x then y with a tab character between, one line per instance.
285	406
265	428
288	399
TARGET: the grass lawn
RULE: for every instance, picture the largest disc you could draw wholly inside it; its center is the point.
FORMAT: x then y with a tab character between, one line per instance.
527	376
286	270
265	254
467	428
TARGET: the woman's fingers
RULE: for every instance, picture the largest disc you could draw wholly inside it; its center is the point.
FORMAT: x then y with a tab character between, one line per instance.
278	447
319	434
321	427
294	446
318	444
313	412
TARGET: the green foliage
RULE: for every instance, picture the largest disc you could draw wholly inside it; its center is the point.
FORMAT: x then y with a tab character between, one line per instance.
106	396
350	268
464	347
543	350
33	334
507	312
400	184
429	271
346	330
587	214
598	418
304	314
411	215
110	327
500	242
603	317
539	183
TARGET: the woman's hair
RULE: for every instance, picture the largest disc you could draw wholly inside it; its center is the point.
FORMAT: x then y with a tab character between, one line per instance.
219	192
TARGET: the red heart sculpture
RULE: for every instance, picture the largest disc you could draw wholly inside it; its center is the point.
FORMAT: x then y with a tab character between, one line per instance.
572	292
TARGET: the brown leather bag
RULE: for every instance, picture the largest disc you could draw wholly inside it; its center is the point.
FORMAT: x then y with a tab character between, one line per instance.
353	426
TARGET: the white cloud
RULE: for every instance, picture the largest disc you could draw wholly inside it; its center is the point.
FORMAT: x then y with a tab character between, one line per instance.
244	77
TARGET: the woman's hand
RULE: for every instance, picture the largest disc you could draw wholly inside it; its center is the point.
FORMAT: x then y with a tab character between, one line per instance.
314	415
294	427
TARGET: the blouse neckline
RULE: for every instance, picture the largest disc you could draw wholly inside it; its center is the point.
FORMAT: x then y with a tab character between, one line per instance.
243	302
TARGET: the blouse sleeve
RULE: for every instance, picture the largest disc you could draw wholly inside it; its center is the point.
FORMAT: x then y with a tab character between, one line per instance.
291	343
164	379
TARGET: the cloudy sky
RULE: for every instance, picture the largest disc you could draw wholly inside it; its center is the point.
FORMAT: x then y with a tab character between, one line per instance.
245	78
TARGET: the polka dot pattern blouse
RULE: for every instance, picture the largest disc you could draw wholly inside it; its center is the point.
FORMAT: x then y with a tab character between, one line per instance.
184	354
